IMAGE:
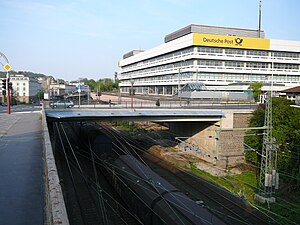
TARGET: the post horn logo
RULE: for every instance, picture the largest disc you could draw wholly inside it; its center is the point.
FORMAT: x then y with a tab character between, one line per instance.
238	41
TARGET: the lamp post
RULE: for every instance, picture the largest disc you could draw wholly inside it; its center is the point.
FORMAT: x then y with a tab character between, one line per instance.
179	95
131	92
79	91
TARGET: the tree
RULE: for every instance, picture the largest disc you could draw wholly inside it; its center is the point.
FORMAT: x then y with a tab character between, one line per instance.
254	140
286	131
92	84
40	95
256	89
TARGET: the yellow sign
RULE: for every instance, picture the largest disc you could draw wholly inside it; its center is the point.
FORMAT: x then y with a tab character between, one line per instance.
231	41
7	67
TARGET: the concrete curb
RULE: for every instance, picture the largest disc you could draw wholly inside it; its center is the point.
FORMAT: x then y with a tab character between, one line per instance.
56	212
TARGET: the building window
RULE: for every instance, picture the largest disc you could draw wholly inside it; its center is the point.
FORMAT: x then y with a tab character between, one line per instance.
24	89
24	94
234	64
256	65
209	63
210	50
257	53
24	84
234	51
284	66
286	54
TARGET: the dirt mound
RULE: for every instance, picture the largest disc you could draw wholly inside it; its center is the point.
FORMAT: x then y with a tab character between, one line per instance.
171	155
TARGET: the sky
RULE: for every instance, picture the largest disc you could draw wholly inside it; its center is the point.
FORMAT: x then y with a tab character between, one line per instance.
72	39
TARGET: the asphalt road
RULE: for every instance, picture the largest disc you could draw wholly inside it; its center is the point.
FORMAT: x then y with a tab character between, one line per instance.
21	108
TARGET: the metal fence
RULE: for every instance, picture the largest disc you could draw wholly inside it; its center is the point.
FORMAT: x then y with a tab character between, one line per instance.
158	104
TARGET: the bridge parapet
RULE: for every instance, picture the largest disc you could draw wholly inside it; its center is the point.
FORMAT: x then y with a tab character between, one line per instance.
56	213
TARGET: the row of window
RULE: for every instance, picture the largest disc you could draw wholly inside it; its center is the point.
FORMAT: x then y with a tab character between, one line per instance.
229	51
24	89
176	65
286	54
19	78
217	76
162	57
216	50
218	63
286	66
18	94
214	63
168	90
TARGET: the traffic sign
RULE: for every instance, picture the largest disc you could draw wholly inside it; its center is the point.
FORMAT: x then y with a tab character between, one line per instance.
78	87
7	67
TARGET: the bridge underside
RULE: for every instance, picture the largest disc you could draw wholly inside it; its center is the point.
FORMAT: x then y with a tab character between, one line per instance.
134	115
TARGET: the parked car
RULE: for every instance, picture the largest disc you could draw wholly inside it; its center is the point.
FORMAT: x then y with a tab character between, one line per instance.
62	104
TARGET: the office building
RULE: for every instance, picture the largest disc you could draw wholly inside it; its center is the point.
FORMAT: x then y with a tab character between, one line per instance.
222	58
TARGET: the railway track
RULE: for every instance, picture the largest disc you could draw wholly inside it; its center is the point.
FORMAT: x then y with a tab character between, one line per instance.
232	209
229	208
89	200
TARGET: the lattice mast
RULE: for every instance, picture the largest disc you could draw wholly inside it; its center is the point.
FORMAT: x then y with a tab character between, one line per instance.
269	177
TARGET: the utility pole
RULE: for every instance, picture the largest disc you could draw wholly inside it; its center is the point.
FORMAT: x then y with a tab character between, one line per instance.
269	177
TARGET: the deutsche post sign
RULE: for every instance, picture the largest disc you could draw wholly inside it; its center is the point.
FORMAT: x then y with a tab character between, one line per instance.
231	41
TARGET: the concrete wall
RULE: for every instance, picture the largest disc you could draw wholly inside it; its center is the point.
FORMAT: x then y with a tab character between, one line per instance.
200	134
219	143
56	213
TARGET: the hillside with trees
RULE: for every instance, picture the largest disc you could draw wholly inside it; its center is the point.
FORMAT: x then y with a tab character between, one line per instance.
26	73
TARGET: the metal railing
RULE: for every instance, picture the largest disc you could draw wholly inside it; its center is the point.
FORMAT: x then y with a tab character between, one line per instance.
158	104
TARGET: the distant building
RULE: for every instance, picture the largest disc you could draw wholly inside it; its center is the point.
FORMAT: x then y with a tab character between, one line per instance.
293	94
45	83
223	58
56	90
25	89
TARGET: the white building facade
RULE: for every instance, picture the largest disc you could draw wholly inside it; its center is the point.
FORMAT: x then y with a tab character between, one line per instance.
224	59
25	89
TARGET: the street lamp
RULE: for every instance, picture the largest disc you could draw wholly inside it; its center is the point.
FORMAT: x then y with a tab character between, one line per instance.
179	95
131	92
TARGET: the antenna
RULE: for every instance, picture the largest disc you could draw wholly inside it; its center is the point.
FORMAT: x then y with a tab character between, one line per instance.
259	19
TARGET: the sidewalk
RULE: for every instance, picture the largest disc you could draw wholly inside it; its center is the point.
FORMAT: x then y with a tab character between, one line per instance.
21	169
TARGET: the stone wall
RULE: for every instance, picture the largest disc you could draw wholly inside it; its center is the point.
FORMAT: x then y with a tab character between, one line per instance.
230	142
220	143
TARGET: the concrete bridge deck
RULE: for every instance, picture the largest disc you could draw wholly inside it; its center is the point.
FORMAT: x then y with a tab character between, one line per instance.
155	115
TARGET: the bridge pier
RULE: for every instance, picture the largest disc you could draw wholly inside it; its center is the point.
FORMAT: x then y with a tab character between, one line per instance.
219	143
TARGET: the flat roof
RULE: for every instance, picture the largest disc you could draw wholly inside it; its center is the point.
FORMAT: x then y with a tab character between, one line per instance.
195	28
